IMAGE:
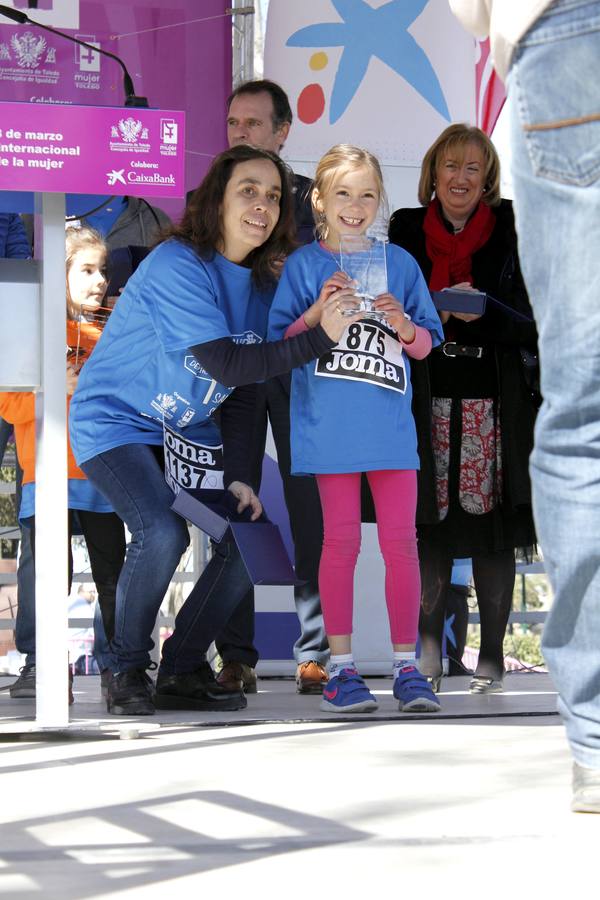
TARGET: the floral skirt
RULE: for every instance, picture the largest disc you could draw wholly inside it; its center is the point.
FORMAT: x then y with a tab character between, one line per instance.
468	467
480	462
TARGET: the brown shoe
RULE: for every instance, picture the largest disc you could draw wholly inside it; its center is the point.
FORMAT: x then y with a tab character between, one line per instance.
310	677
237	676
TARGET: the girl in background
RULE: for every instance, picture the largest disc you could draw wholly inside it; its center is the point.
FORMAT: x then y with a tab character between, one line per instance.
351	413
103	530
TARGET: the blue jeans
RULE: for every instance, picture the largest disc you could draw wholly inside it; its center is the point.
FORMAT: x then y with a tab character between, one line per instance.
217	594
556	171
236	641
132	479
306	521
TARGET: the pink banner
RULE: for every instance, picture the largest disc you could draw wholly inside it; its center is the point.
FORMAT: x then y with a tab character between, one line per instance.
489	90
92	149
177	51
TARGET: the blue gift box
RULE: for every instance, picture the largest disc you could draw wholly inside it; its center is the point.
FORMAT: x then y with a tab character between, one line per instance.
260	543
474	302
452	300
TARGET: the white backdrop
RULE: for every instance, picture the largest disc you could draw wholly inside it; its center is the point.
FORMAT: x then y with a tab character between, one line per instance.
396	113
391	113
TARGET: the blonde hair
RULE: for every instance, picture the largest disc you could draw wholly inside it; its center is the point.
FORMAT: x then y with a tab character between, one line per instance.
455	140
77	239
339	160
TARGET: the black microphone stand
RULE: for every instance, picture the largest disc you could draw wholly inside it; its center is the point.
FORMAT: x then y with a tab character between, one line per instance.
23	19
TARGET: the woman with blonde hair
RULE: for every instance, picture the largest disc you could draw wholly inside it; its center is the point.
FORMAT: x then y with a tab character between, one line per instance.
473	404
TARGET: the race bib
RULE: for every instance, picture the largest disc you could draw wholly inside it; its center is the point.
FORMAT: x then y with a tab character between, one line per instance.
190	465
367	351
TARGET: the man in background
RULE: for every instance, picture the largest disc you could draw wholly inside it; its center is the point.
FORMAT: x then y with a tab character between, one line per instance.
259	113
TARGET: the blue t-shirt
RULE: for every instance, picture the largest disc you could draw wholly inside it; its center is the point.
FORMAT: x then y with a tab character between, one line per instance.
142	373
351	409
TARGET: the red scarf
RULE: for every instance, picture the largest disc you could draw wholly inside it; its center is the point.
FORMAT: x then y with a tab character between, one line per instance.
451	253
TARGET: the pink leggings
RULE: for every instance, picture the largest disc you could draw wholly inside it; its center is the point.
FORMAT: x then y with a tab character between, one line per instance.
395	497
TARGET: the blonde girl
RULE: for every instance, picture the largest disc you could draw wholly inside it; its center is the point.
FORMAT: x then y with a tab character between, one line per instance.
351	413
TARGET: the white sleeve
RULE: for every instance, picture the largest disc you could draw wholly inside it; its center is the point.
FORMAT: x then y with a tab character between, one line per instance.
474	15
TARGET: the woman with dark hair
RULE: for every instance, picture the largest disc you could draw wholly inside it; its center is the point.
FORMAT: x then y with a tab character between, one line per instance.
187	329
473	405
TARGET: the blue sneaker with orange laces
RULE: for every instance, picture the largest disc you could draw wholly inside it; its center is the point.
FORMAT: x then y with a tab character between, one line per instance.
413	692
347	692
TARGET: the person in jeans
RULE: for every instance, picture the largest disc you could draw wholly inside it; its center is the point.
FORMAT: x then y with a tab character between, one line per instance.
188	328
548	52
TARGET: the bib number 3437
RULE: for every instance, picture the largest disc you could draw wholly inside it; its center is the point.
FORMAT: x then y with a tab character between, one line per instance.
191	465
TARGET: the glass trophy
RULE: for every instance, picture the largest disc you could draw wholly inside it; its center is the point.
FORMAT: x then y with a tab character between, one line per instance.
363	260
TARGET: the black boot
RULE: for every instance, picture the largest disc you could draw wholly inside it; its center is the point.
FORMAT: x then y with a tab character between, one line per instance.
130	693
196	690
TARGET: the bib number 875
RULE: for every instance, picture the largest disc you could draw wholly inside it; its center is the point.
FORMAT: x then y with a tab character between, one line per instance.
368	338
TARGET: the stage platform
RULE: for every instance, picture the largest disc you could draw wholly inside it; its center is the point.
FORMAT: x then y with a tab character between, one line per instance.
526	694
283	800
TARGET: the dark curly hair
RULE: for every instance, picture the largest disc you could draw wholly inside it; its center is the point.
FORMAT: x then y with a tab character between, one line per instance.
201	224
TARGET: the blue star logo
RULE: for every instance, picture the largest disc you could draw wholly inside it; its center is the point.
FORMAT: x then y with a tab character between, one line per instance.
367	32
449	630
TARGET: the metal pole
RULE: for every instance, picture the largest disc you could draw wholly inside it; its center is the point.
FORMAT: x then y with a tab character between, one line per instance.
51	580
243	41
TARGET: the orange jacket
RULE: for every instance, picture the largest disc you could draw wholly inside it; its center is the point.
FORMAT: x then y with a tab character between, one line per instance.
19	408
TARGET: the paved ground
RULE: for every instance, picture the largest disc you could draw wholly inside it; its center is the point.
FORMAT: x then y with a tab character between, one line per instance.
284	801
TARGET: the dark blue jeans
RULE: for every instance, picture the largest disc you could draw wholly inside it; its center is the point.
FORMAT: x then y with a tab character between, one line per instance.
132	479
217	594
236	640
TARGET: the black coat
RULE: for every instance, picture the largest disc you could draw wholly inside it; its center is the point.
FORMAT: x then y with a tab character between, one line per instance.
303	214
495	270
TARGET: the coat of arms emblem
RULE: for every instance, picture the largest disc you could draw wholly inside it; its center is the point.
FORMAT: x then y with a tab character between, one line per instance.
130	130
28	49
